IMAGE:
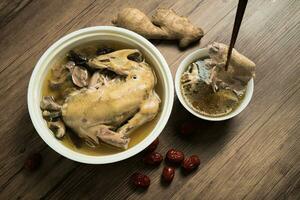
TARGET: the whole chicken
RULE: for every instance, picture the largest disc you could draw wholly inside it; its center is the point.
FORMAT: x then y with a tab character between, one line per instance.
109	108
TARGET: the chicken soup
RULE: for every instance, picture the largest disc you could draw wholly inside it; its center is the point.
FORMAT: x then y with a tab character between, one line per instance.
100	100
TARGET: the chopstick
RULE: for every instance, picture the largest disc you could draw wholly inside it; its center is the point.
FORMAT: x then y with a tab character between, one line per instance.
237	23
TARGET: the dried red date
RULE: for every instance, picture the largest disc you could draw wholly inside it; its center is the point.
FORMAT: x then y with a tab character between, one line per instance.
168	174
175	156
153	158
33	161
191	163
140	180
153	145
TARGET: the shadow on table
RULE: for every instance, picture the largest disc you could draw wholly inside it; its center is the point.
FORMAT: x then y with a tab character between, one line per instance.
206	139
205	133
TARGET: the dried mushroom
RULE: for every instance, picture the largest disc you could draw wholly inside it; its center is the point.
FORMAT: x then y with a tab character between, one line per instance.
80	76
58	128
77	58
59	76
50	116
104	50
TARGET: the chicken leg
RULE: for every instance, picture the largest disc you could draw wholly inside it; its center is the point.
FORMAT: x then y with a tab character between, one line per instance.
147	112
108	136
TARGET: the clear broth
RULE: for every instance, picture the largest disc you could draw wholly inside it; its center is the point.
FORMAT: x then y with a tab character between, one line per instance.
70	139
208	103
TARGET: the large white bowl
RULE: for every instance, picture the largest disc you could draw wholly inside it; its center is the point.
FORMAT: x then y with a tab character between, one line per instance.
82	36
201	53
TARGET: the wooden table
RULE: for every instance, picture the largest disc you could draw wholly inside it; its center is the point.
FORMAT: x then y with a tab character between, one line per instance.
256	155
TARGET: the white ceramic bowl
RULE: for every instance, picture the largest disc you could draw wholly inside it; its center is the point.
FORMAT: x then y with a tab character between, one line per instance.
105	34
200	53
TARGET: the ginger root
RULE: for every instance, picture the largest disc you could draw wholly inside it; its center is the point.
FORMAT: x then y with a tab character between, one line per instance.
165	24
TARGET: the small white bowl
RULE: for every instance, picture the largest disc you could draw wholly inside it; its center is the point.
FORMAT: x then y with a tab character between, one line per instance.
104	34
198	54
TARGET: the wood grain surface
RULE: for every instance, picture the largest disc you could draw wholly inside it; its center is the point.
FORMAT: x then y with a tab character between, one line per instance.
256	155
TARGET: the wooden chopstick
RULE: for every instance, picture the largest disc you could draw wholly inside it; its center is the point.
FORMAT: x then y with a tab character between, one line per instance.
237	23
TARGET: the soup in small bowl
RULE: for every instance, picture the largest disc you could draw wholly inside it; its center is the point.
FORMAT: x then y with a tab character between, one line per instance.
210	92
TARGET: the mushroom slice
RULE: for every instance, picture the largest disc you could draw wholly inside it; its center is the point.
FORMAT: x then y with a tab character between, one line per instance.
48	103
58	128
77	58
59	75
70	65
80	76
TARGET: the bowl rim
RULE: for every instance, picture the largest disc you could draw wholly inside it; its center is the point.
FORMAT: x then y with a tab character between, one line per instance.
57	146
193	56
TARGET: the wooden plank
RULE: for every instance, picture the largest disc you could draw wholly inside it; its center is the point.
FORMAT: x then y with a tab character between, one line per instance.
288	186
10	9
17	149
260	155
285	169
